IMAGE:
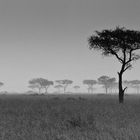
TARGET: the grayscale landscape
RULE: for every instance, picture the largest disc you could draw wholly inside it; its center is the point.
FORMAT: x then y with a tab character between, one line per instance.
69	70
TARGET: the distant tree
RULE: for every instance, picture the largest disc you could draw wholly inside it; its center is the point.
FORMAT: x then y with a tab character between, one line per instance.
58	87
76	87
104	80
136	85
121	43
46	84
36	83
64	83
90	84
40	83
111	84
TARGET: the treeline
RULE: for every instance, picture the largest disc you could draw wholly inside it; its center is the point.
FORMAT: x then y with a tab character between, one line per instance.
109	85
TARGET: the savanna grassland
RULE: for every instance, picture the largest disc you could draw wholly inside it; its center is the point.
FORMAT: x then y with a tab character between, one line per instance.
69	117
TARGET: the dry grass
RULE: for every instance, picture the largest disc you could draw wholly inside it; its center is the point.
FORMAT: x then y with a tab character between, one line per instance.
69	118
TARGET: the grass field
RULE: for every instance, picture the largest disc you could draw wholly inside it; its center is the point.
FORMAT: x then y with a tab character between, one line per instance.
69	117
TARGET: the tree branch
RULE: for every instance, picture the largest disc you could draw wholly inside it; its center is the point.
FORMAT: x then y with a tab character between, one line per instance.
124	54
124	89
114	53
129	66
130	56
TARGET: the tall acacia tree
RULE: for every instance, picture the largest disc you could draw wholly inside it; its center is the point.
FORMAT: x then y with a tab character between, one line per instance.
121	43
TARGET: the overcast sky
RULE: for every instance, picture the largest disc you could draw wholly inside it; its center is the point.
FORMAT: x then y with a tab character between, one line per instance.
48	38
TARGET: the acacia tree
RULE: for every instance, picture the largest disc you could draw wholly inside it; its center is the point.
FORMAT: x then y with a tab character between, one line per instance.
40	83
103	80
107	82
46	84
36	83
121	43
64	83
90	84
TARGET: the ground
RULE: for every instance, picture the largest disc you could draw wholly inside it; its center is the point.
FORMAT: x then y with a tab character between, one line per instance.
69	117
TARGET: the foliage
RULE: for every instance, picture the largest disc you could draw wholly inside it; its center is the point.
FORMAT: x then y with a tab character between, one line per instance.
40	83
107	82
121	43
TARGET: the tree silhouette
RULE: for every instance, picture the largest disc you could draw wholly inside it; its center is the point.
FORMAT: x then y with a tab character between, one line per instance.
106	81
36	83
121	43
90	84
64	83
46	84
40	83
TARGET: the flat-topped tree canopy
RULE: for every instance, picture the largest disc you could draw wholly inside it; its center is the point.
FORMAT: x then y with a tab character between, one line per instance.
40	83
121	43
89	83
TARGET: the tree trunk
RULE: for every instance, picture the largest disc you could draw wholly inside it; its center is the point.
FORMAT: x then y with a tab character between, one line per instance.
121	90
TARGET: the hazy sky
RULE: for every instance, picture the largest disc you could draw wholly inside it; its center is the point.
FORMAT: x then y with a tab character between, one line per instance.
48	38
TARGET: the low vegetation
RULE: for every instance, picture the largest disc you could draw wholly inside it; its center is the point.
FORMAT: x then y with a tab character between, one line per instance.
69	117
